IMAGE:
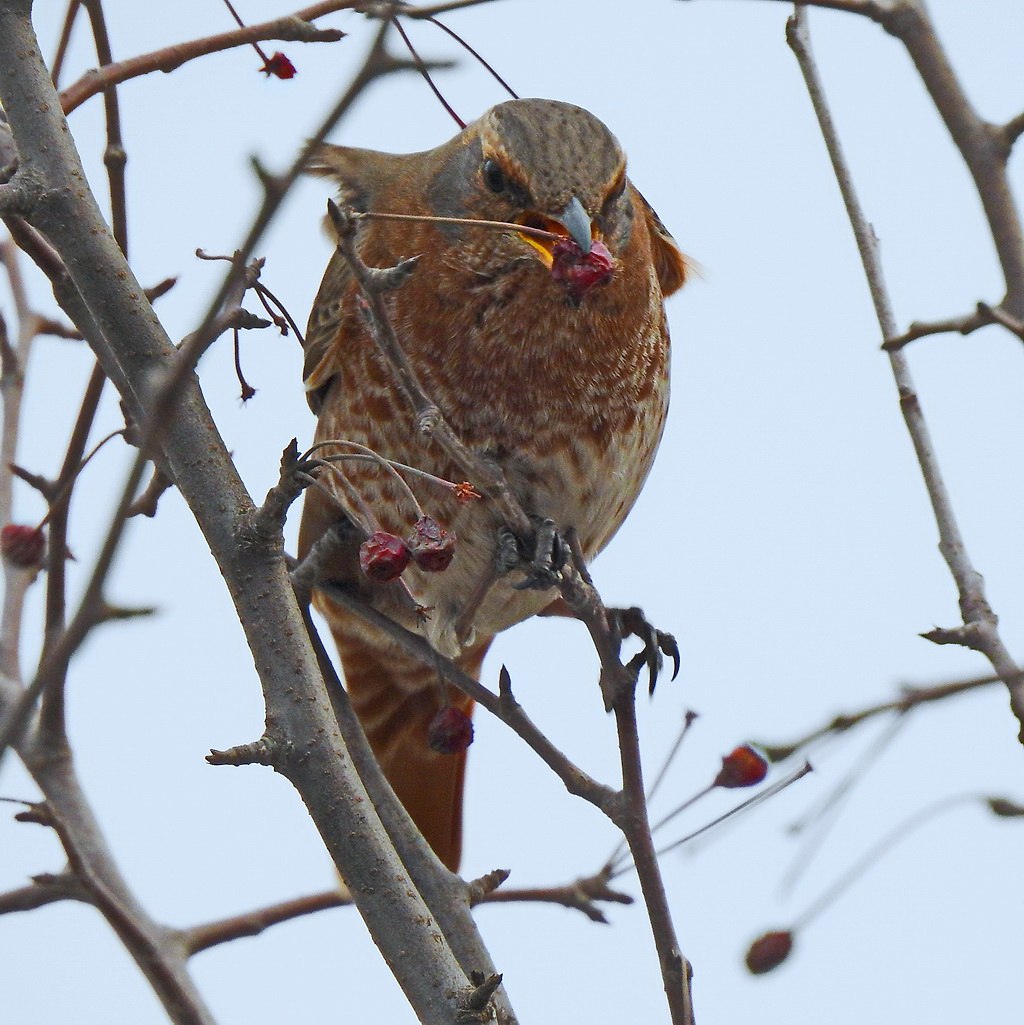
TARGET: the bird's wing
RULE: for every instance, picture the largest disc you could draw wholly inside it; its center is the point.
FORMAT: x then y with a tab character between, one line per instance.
321	346
671	265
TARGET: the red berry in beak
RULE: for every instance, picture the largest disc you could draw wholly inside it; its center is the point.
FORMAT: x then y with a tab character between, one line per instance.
579	271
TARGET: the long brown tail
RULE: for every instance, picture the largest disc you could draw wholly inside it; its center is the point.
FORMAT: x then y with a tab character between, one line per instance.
396	697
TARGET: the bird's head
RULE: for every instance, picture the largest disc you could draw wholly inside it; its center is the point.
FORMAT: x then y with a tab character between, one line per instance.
554	166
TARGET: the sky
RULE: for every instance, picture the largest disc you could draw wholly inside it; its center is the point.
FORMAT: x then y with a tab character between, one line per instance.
784	535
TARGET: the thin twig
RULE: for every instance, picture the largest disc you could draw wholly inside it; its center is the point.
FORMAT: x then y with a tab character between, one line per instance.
252	923
424	71
294	27
676	972
506	708
979	630
889	840
910	697
74	6
461	222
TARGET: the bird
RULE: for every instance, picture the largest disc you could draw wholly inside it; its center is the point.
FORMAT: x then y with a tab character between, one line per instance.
546	355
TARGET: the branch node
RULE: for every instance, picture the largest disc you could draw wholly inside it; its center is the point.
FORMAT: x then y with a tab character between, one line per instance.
505	694
485	884
475	1005
260	752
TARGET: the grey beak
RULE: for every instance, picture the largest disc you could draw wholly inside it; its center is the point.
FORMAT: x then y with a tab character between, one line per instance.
576	221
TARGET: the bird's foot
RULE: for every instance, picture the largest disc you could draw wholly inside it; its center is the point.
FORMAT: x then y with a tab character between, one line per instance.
656	643
542	558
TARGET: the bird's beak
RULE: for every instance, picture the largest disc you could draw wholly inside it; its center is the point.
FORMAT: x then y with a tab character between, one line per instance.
573	222
576	221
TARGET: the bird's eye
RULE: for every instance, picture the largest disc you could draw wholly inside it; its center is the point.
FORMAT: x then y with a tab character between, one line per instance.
494	177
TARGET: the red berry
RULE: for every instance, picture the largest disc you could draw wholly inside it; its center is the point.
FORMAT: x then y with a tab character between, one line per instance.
581	271
383	556
432	546
450	731
769	951
279	66
742	767
23	546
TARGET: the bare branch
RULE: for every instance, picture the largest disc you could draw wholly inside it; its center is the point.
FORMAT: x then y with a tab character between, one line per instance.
980	622
487	476
295	27
881	11
252	923
583	895
138	351
431	10
633	820
146	503
45	889
982	316
964	325
576	781
1013	130
998	315
910	698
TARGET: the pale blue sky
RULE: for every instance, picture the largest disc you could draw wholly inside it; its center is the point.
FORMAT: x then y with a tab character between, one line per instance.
784	536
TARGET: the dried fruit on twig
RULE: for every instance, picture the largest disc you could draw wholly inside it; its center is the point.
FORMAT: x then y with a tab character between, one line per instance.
769	951
432	547
450	731
742	767
383	556
279	66
22	545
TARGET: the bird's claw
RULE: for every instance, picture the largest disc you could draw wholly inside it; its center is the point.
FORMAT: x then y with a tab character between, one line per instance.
550	553
631	622
541	558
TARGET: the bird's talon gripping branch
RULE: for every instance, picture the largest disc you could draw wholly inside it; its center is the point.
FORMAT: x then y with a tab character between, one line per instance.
631	622
550	554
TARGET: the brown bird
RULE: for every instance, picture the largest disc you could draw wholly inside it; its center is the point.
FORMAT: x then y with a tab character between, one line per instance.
549	357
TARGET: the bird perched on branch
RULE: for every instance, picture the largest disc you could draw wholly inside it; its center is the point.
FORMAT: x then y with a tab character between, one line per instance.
547	355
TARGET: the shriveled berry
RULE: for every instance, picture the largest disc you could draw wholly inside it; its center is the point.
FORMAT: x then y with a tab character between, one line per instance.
22	545
450	731
742	767
432	547
383	556
769	951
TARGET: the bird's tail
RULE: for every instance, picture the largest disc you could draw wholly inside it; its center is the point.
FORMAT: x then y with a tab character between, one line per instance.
396	698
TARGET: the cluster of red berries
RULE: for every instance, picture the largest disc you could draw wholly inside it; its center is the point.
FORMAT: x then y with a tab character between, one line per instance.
383	556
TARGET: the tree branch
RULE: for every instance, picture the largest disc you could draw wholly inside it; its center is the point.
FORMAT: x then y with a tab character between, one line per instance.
911	697
138	350
294	27
979	629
